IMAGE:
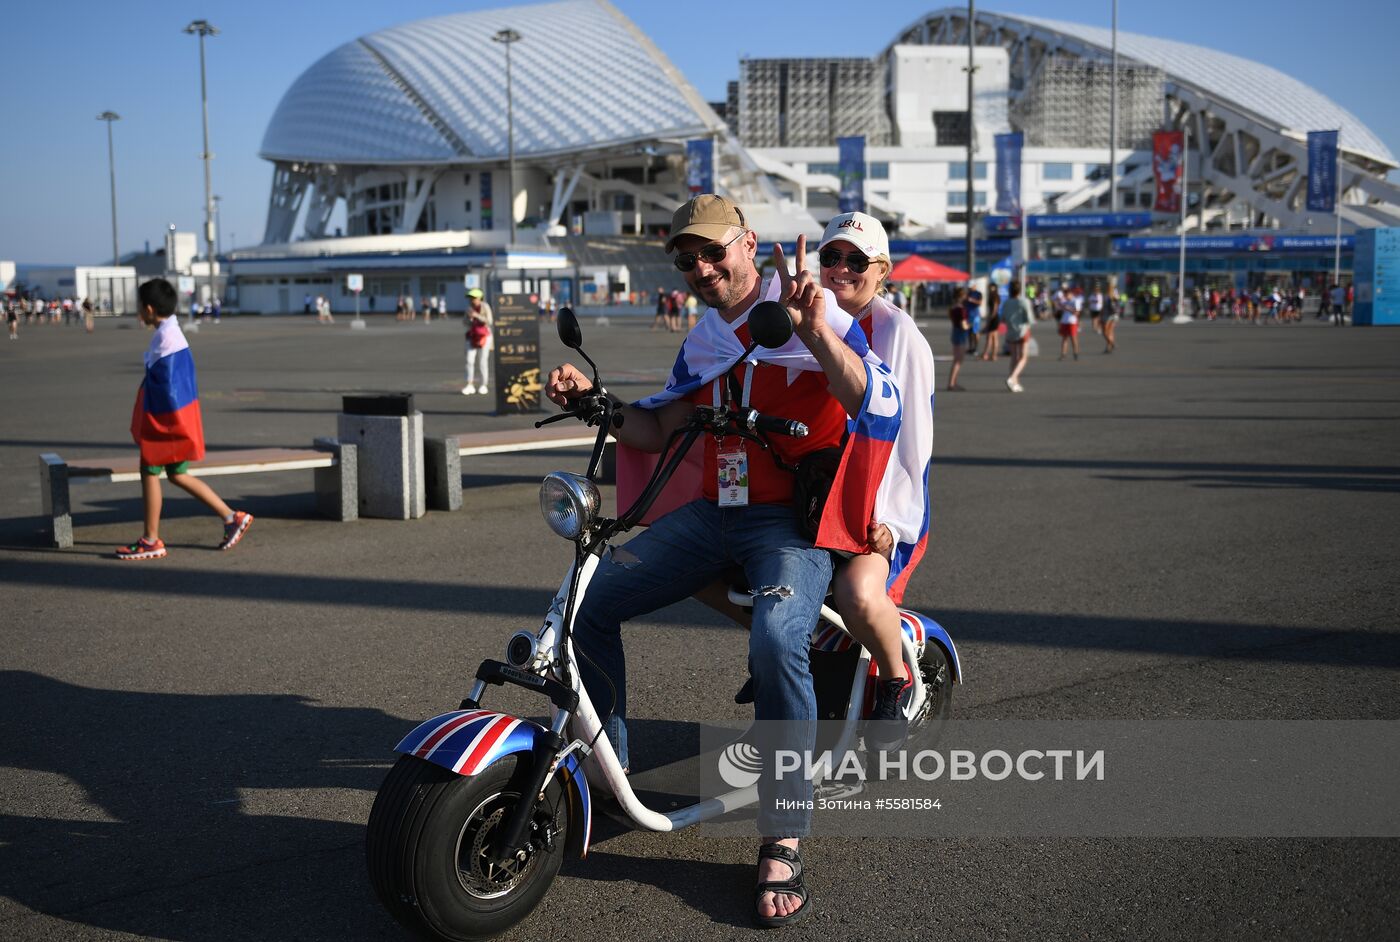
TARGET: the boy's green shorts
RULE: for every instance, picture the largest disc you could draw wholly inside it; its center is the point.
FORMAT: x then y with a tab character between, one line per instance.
154	470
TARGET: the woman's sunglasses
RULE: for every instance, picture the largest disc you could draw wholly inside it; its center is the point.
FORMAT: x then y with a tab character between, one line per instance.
713	253
855	261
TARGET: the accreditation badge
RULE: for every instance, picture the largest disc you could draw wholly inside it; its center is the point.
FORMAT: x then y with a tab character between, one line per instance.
733	469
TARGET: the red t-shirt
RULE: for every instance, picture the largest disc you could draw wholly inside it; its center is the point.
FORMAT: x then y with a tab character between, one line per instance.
806	399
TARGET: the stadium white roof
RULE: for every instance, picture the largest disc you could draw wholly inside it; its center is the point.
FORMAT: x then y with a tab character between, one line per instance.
1252	86
434	91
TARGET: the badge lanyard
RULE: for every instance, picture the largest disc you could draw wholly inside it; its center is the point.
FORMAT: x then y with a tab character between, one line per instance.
732	466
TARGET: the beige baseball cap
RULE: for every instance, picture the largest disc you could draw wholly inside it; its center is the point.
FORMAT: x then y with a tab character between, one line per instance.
706	215
864	232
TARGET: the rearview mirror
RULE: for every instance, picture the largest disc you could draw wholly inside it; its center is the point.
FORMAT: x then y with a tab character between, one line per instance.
569	332
769	324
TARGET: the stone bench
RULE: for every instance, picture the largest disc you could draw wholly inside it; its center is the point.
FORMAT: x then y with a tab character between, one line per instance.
442	457
335	466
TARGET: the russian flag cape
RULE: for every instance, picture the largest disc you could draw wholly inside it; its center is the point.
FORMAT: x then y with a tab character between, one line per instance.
166	423
902	501
710	348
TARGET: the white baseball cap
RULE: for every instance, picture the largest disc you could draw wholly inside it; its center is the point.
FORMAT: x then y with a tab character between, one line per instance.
864	232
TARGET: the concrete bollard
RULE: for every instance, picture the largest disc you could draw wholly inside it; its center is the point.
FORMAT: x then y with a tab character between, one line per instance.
442	467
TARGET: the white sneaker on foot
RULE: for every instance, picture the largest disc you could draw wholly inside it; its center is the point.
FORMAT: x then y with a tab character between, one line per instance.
483	390
468	390
1016	387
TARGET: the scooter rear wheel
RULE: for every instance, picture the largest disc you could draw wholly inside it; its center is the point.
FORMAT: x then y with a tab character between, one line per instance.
937	674
428	842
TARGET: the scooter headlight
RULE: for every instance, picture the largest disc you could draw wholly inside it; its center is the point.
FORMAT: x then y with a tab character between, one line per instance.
569	503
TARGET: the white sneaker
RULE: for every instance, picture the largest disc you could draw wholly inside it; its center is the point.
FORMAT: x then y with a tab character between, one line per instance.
1010	384
483	390
1017	388
467	390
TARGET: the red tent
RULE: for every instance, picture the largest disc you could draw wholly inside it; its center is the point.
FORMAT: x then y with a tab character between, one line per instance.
918	268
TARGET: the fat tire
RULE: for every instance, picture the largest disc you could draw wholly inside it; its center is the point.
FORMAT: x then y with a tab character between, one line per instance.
934	661
411	841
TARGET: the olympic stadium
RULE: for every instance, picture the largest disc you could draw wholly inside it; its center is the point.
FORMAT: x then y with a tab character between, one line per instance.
410	133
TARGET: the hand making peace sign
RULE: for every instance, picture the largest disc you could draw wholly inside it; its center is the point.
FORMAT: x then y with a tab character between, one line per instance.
801	293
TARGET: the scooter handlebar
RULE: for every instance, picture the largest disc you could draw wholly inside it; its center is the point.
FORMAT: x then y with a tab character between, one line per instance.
755	420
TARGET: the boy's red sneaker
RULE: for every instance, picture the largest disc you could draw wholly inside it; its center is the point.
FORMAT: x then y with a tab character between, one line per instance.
235	528
142	549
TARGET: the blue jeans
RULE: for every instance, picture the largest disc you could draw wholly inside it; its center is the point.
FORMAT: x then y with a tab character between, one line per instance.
680	554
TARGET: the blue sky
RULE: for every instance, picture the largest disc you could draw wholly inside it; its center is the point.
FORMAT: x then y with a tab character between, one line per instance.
65	62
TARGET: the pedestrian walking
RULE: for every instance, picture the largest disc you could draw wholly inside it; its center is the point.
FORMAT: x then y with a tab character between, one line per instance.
1069	325
1112	310
167	426
478	342
1018	315
991	326
957	314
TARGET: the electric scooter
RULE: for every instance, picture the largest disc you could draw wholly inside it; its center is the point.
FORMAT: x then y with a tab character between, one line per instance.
476	816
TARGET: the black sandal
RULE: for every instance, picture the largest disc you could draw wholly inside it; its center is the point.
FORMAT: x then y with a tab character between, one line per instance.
792	885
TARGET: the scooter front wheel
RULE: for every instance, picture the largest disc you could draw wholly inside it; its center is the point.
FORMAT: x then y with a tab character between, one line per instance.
429	842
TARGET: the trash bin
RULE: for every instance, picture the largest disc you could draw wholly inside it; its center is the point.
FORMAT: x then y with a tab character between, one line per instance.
388	434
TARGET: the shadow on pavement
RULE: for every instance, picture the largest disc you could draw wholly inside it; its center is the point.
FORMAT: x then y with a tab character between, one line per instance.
167	809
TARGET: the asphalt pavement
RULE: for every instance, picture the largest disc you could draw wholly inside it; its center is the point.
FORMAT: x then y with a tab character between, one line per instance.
1202	525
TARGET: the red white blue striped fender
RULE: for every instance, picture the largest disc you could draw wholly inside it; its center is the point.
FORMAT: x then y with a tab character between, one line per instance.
920	629
917	627
468	741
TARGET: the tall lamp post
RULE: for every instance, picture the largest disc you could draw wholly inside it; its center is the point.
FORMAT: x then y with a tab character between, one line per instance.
203	28
1113	120
109	117
507	37
971	144
218	225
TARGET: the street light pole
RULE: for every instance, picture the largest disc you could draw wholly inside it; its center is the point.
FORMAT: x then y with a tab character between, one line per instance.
1113	121
204	28
109	117
218	225
971	145
507	37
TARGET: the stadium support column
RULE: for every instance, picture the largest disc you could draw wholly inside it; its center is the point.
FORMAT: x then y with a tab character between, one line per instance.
1337	213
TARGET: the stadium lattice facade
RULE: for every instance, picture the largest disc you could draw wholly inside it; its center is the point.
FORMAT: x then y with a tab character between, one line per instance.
406	130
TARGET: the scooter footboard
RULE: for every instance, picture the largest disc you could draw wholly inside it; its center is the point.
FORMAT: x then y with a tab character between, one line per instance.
468	741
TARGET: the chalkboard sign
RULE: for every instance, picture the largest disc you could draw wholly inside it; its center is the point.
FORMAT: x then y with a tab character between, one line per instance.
517	355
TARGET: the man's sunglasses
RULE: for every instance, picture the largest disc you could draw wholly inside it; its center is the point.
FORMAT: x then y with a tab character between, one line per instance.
713	253
856	261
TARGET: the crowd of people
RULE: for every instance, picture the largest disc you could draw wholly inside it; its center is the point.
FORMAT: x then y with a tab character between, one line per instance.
669	307
34	310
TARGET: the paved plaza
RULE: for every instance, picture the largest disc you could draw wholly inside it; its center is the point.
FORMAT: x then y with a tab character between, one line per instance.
1203	525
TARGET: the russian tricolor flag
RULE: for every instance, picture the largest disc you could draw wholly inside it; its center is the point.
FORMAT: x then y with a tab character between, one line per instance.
870	440
166	423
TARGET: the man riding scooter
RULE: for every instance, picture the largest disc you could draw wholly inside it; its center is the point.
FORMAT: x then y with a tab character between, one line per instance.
753	526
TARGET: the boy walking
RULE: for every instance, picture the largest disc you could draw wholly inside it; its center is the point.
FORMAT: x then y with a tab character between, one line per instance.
167	427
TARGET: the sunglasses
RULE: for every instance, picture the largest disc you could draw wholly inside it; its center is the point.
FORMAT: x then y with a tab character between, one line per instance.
856	261
713	253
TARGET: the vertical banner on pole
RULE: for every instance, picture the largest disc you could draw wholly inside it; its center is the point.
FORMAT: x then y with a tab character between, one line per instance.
1322	171
851	170
486	206
1009	173
1168	160
700	166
